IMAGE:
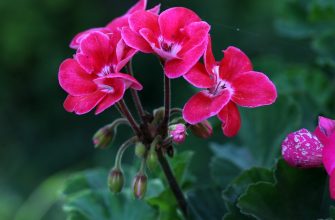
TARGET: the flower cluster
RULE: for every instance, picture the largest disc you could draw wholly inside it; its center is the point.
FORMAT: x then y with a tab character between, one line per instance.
178	36
307	149
95	78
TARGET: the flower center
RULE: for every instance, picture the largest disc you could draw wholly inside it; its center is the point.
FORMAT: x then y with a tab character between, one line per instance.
170	49
106	70
220	84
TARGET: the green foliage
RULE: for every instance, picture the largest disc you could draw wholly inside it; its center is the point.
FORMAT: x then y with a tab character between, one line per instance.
276	121
296	194
87	197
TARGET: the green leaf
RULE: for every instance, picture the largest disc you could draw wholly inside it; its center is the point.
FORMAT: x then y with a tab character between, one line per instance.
179	164
165	201
205	203
276	121
87	198
296	194
229	161
239	185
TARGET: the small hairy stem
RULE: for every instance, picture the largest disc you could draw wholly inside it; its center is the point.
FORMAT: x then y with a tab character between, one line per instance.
122	149
167	105
135	95
176	111
115	124
172	182
126	113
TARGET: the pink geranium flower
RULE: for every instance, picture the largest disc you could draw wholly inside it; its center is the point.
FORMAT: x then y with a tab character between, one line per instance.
177	35
305	149
226	84
93	78
116	24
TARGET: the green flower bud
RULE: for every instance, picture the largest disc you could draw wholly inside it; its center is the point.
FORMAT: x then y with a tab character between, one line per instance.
103	137
158	115
115	180
140	149
140	185
152	160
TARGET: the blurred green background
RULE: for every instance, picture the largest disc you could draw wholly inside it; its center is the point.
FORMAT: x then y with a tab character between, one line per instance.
292	41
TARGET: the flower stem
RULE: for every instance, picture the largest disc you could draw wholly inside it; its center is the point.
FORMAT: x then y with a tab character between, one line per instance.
126	113
172	182
122	149
167	105
135	95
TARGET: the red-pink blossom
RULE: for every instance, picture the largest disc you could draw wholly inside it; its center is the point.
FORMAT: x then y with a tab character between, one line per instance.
93	79
302	149
177	35
116	24
226	84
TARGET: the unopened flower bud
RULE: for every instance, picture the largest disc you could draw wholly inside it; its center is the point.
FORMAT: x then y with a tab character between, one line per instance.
202	129
302	149
152	159
115	180
158	115
140	185
103	137
140	149
178	133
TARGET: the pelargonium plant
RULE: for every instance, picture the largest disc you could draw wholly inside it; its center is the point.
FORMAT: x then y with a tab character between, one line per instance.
100	73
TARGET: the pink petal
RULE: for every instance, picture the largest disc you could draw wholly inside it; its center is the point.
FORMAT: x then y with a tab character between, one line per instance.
150	37
332	185
171	22
203	105
234	63
327	125
199	77
111	98
77	39
95	52
123	54
128	79
83	104
143	19
329	155
253	89
177	67
155	9
139	6
74	80
118	23
302	149
209	59
231	119
197	33
135	40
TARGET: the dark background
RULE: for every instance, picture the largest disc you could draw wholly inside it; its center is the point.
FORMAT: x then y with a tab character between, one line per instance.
291	41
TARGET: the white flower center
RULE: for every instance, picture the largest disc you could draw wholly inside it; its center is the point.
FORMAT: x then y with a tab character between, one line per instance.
167	47
106	70
220	84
